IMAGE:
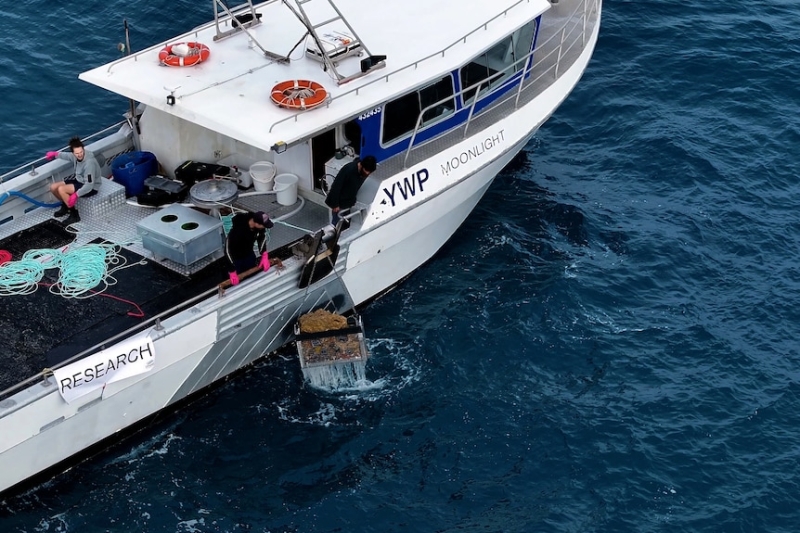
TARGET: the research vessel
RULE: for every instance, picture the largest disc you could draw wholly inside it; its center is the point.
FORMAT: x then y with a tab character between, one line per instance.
265	104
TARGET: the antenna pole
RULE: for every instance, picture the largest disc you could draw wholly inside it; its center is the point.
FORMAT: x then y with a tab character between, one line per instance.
134	122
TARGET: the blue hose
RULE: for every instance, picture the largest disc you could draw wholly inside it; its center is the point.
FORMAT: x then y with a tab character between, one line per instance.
6	195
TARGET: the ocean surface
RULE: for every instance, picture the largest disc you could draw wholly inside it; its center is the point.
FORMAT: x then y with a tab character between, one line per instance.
609	343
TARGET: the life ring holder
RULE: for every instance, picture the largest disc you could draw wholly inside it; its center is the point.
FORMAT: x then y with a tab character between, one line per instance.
198	52
299	94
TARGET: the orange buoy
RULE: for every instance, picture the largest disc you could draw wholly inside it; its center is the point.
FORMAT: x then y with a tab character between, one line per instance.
299	94
198	52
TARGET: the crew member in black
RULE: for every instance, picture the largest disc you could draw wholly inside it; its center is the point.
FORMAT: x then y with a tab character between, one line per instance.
346	184
247	230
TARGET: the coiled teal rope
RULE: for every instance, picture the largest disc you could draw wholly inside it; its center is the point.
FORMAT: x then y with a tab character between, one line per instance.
20	277
81	270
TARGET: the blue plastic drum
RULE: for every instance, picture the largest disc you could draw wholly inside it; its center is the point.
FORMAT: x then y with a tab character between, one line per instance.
132	168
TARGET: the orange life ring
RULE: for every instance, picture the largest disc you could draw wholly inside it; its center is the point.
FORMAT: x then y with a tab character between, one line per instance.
299	94
198	52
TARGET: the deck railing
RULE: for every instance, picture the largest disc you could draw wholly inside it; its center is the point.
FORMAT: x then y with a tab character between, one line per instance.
31	167
579	18
45	374
550	57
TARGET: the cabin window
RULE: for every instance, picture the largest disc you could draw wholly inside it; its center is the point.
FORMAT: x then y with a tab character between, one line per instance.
352	134
437	100
492	68
400	115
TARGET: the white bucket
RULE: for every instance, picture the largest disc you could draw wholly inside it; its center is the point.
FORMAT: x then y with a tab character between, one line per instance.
286	188
262	173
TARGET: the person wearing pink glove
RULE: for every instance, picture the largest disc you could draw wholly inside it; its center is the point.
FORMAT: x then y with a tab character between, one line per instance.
85	181
247	238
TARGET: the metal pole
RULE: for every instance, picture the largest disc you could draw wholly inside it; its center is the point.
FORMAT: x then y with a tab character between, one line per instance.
585	16
525	70
471	108
560	48
134	122
411	142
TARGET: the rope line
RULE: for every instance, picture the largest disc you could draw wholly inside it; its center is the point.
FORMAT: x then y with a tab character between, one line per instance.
81	269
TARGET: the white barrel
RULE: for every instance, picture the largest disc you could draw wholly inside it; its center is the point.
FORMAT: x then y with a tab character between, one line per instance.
286	188
262	173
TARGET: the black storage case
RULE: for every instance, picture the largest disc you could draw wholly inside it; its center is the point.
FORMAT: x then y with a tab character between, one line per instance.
160	191
155	198
190	172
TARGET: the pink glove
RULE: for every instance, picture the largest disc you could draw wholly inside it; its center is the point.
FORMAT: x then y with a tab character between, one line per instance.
234	278
264	261
72	200
50	155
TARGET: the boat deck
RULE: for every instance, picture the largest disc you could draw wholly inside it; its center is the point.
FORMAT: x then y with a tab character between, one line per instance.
42	329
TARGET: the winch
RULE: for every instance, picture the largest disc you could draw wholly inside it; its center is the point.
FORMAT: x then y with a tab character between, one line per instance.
213	194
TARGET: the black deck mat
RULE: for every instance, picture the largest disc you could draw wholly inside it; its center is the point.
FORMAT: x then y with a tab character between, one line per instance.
42	329
48	234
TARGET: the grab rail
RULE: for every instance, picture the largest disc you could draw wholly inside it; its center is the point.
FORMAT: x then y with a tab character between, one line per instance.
414	65
32	165
512	69
155	320
583	8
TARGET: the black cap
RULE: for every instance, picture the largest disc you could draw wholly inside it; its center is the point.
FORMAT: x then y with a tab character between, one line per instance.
263	219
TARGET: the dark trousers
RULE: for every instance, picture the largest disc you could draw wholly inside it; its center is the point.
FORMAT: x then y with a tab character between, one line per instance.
245	263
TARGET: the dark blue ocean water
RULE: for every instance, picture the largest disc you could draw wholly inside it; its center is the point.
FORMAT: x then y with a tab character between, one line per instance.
608	344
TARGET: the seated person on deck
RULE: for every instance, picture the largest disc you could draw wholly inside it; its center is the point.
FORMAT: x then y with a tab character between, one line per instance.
85	183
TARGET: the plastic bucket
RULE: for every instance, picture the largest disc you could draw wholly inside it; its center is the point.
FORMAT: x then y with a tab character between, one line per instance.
262	173
132	168
286	188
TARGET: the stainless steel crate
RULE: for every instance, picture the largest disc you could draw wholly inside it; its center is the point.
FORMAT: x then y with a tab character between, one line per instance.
181	234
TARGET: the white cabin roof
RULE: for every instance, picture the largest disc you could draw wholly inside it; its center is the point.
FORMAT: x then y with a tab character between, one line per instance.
230	92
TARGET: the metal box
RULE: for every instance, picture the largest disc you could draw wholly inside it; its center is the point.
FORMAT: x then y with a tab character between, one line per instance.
181	234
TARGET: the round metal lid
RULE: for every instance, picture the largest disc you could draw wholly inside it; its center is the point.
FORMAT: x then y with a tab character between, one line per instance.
212	193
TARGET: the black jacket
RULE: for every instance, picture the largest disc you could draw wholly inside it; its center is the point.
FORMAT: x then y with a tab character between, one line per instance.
241	239
345	187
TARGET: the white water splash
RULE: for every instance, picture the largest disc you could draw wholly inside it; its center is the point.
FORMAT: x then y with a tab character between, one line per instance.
336	377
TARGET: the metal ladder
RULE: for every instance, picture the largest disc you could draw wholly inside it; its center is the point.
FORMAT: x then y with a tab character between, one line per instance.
245	17
312	30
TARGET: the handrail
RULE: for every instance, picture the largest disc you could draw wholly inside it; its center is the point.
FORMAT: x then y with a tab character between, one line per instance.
415	64
511	67
19	170
194	31
99	346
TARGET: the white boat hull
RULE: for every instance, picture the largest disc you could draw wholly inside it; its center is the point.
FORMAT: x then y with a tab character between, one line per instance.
382	257
218	336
